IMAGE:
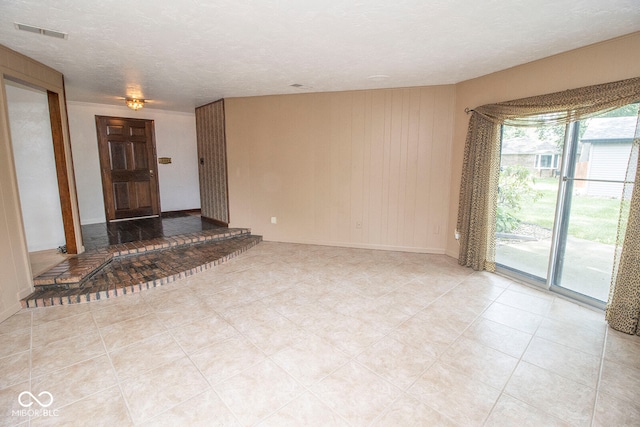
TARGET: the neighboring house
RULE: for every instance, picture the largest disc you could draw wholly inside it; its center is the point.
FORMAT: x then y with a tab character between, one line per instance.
540	157
606	145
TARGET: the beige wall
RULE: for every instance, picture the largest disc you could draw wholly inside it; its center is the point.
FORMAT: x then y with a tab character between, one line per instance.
600	63
15	272
361	168
322	163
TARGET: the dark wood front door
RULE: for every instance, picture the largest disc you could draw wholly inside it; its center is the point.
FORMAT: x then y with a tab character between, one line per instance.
127	150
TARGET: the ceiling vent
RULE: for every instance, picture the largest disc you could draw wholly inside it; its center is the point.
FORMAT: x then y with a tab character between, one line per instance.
378	77
44	32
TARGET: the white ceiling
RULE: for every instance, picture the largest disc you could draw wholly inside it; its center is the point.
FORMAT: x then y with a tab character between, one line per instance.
185	53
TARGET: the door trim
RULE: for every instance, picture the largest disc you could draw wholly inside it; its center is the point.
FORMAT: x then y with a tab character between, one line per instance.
61	169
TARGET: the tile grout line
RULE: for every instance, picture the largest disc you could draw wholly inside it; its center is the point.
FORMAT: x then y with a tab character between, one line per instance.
270	358
80	361
308	389
506	383
305	389
30	359
439	357
169	408
353	359
211	385
600	371
113	369
521	360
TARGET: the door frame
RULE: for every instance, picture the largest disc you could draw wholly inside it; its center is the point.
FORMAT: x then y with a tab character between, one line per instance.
19	280
66	200
60	154
105	175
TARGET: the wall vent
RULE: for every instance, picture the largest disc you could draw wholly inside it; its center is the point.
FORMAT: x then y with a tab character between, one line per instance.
43	31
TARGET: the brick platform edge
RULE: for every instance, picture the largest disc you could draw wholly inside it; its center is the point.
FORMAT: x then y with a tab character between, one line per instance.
30	302
73	271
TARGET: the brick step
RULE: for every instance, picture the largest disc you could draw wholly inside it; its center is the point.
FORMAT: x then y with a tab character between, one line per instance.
72	272
137	272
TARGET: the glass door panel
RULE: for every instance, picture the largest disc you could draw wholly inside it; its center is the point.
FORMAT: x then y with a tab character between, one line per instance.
559	201
527	195
595	174
585	261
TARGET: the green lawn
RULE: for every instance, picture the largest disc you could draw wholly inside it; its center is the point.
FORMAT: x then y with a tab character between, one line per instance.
592	218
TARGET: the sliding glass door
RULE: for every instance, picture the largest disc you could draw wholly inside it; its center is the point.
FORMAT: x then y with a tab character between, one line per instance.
559	202
527	197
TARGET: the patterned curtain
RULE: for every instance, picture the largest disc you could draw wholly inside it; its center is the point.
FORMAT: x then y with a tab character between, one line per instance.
623	308
481	164
479	194
563	107
481	168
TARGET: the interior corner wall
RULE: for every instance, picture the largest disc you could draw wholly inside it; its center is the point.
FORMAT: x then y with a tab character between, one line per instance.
175	138
366	169
603	62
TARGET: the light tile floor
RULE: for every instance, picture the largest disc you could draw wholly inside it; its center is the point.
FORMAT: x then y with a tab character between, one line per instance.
308	335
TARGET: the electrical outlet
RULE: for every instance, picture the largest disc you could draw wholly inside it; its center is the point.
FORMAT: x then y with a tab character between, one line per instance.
274	220
436	229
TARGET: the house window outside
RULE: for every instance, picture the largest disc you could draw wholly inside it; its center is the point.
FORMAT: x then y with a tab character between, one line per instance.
547	161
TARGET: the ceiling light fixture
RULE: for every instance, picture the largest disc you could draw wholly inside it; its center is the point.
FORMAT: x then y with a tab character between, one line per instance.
134	104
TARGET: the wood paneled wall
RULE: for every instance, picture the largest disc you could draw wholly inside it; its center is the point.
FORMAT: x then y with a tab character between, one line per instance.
212	154
360	168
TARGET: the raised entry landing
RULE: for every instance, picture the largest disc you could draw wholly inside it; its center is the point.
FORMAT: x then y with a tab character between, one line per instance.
123	268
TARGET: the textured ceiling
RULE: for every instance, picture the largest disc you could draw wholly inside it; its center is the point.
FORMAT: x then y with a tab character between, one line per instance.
185	53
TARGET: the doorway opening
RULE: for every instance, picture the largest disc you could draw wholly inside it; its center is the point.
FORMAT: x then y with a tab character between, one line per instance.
37	176
559	202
